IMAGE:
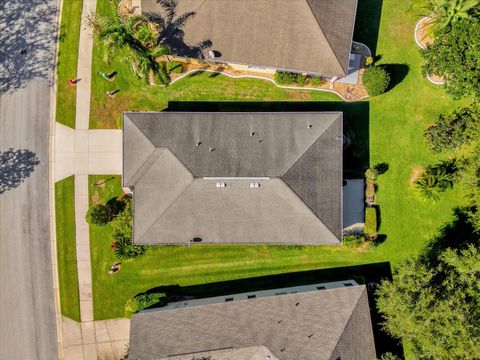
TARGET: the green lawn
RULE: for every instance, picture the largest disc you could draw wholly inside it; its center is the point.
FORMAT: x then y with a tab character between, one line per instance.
66	250
384	129
67	61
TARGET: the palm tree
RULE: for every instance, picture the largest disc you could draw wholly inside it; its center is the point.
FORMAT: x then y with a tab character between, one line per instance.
139	37
170	30
435	180
443	13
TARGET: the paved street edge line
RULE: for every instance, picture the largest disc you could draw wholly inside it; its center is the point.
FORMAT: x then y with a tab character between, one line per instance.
51	184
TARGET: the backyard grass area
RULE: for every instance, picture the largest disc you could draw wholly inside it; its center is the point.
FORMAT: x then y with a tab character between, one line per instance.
67	61
66	249
385	129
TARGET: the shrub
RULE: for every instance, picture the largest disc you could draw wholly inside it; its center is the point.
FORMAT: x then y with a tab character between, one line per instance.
285	78
174	67
371	221
353	240
143	301
122	233
124	249
369	61
301	80
316	81
370	190
453	130
376	80
99	214
371	175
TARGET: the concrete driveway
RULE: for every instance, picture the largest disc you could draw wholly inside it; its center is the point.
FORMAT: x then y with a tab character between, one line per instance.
27	326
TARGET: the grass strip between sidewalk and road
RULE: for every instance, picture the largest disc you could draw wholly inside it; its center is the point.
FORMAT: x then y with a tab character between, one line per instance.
66	248
67	61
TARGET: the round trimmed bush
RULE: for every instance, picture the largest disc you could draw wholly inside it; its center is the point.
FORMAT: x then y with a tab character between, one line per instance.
376	79
99	214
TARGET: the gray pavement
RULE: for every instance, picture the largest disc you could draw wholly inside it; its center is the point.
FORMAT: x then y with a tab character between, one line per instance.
27	327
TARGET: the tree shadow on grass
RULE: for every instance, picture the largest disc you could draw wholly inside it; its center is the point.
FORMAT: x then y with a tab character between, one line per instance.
398	73
356	154
458	234
15	167
369	274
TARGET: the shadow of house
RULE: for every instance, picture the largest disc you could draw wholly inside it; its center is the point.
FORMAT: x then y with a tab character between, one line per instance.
369	274
367	24
26	50
171	31
356	154
15	167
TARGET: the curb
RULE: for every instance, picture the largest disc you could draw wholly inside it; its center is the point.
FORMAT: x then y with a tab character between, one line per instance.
51	185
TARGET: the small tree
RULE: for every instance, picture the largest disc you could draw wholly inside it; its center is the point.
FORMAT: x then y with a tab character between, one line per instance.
433	304
435	179
99	214
455	56
453	130
376	80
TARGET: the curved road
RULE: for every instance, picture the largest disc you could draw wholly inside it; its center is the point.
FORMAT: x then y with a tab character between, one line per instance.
27	317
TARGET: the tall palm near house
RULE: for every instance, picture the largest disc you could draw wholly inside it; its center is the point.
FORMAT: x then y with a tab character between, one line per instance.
444	12
139	37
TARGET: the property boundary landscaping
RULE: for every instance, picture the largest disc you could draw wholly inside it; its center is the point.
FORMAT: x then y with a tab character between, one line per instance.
264	78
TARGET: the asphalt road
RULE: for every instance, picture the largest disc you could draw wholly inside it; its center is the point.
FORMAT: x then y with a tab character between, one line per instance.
27	317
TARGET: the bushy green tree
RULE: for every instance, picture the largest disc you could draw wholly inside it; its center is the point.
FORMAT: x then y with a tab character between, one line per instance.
455	55
434	304
99	214
376	80
453	130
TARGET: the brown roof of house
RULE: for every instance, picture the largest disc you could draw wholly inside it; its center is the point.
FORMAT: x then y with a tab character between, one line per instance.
302	35
314	325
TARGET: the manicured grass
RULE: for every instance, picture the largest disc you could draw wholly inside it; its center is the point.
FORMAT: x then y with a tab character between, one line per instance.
67	61
387	129
66	249
170	265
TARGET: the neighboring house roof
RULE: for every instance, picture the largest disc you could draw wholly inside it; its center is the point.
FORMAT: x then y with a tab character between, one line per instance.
302	35
296	158
315	325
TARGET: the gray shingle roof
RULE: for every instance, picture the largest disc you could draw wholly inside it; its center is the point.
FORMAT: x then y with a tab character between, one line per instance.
304	35
176	199
316	325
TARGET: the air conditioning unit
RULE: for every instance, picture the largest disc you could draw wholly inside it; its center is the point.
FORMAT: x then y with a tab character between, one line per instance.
221	184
